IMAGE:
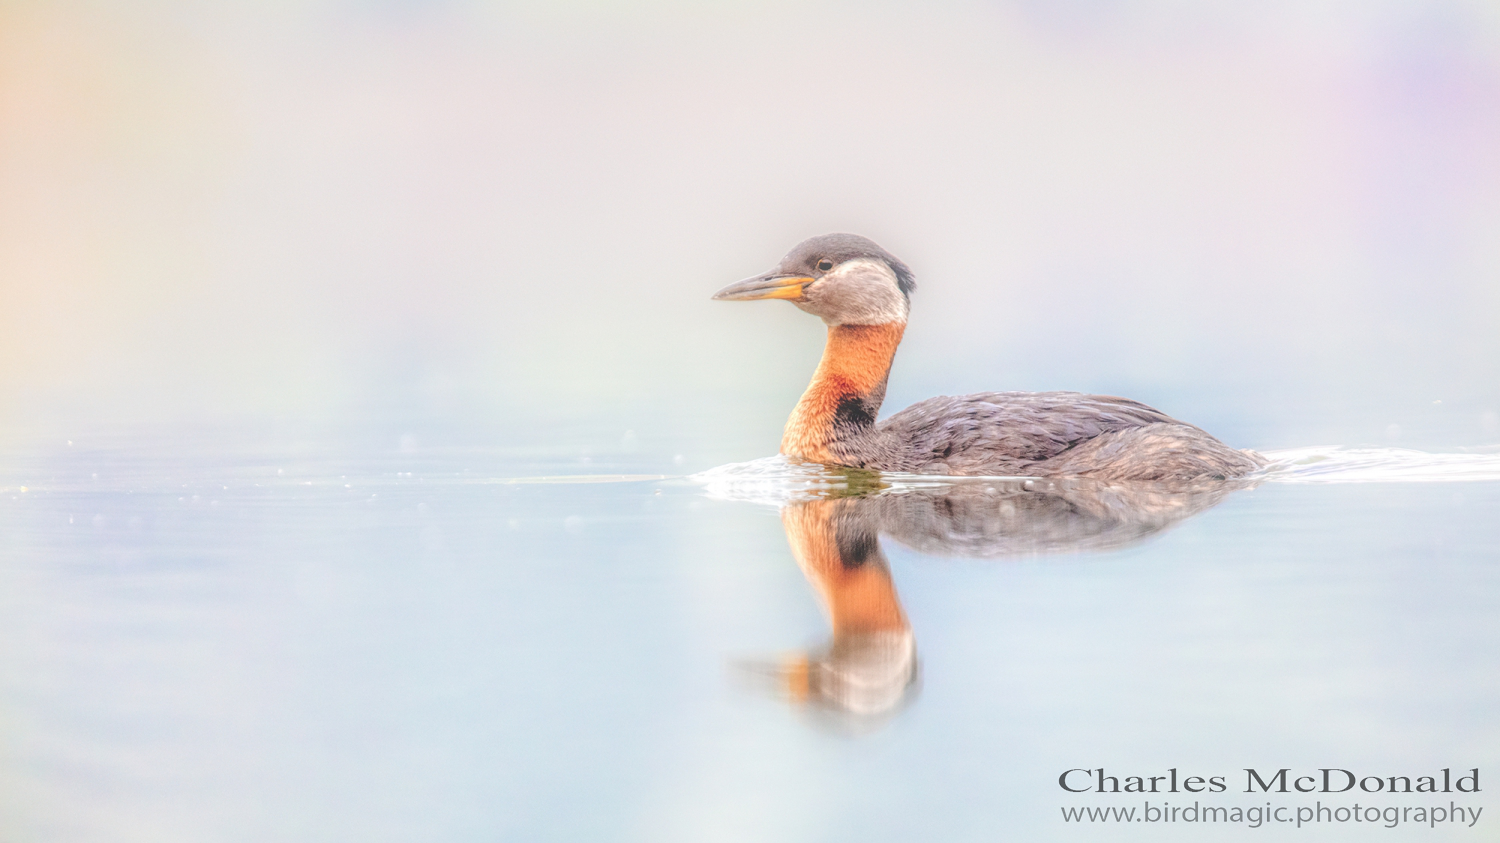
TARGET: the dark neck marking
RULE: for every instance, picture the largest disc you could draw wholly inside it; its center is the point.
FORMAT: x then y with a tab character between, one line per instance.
855	412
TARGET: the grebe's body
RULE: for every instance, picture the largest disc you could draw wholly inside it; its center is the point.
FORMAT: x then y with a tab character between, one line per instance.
863	293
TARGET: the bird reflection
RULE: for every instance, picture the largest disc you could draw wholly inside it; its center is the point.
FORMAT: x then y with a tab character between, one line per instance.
872	659
870	666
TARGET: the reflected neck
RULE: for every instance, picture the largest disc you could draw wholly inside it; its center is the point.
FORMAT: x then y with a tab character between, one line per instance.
846	390
843	560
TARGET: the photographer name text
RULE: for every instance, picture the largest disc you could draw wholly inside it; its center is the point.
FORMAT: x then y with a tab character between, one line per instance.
1283	780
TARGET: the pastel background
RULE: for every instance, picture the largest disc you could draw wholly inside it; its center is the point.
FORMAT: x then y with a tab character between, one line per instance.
1276	219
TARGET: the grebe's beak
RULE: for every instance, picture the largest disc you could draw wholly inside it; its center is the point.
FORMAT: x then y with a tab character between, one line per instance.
771	285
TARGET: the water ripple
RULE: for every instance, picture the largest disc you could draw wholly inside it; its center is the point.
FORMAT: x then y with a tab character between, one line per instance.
1337	464
777	481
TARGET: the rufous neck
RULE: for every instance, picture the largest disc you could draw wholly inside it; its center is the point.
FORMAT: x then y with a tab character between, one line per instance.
846	390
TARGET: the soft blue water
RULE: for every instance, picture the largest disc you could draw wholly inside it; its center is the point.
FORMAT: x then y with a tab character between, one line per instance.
365	637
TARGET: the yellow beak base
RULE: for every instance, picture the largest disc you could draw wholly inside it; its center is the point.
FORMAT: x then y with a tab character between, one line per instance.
764	287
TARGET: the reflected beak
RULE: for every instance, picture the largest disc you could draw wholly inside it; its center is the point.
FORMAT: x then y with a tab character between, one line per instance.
796	678
767	286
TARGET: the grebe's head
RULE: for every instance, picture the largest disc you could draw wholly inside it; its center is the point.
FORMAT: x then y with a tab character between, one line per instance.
843	278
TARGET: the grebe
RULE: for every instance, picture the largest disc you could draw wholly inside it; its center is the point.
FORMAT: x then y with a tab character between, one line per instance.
863	293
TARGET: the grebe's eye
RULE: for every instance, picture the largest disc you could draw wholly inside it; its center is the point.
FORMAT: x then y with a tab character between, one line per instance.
824	265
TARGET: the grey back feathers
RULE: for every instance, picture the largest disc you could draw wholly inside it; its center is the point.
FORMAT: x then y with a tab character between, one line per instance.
1044	434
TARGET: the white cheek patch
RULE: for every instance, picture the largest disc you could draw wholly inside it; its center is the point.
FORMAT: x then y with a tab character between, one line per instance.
858	292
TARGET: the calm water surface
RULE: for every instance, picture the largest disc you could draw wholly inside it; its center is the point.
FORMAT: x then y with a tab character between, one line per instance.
371	637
